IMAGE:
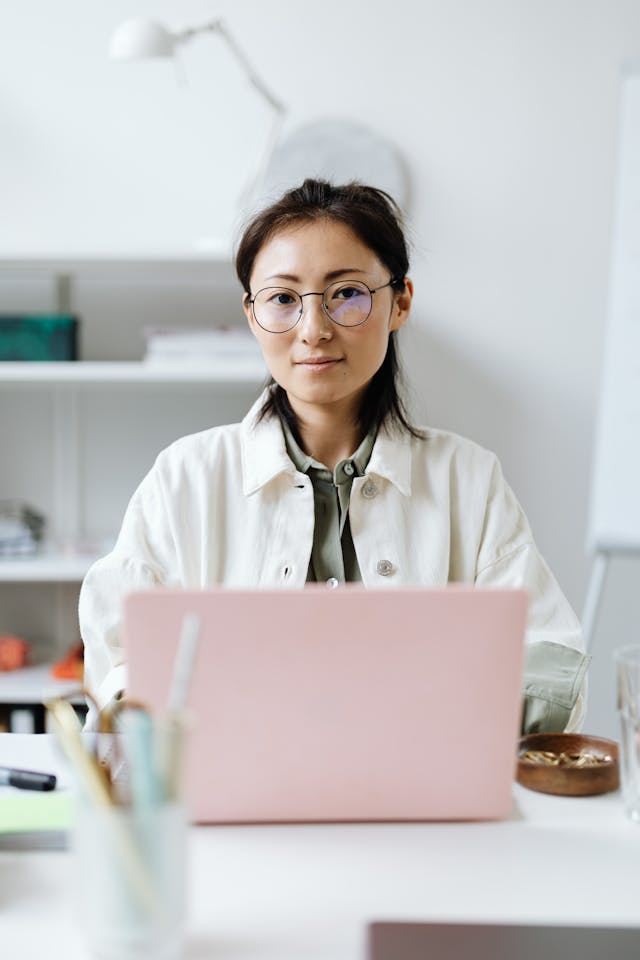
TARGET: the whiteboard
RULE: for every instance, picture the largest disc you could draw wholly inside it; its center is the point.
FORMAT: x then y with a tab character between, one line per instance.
615	501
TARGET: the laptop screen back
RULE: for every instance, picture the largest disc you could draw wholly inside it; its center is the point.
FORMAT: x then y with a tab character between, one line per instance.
349	704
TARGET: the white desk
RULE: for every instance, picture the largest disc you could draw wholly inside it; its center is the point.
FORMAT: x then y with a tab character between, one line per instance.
308	891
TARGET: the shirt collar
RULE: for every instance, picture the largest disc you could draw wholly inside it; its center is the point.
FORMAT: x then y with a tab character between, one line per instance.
304	462
264	453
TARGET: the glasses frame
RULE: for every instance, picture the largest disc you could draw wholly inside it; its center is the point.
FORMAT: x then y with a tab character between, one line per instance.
392	282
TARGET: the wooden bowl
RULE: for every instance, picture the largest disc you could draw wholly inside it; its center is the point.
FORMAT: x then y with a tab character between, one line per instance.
567	779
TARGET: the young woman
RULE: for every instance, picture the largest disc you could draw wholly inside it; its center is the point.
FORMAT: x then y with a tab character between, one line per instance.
325	479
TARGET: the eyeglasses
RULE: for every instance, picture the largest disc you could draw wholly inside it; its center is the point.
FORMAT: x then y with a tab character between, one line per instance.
347	302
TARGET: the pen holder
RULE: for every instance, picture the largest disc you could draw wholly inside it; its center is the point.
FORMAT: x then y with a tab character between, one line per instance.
131	871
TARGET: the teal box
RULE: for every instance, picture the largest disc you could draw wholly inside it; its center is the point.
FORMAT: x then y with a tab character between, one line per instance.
39	337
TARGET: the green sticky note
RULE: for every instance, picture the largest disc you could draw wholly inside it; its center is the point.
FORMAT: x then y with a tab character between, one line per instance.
25	812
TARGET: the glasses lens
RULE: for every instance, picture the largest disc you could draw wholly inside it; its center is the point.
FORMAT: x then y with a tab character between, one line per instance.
276	308
348	302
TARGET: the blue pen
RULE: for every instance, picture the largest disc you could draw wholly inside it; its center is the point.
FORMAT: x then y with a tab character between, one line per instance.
138	731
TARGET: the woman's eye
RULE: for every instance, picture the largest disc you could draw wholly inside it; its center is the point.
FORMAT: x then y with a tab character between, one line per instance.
347	293
282	299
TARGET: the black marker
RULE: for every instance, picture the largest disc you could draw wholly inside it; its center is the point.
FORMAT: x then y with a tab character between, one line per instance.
26	779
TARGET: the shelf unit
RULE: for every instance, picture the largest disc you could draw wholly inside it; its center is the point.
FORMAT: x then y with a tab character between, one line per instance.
215	251
233	370
34	685
46	566
66	391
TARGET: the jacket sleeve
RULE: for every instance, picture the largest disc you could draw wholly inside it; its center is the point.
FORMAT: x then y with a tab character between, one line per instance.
554	685
141	558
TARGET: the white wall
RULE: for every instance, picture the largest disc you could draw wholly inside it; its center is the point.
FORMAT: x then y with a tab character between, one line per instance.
505	111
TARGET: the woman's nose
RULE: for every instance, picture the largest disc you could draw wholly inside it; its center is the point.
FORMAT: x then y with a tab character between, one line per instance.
314	323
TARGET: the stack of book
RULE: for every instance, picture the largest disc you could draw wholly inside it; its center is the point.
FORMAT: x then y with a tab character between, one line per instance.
201	345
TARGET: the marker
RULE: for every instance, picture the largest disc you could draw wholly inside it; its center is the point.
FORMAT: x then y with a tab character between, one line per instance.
26	779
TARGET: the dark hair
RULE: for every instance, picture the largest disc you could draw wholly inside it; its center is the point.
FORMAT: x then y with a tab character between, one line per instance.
376	219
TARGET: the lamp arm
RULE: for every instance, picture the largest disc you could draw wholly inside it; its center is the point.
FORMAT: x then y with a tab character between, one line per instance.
217	26
248	194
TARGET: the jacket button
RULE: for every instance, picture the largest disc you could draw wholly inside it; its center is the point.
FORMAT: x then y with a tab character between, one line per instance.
332	583
369	490
384	568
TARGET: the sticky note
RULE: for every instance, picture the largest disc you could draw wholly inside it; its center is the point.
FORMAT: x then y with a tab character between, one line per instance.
24	812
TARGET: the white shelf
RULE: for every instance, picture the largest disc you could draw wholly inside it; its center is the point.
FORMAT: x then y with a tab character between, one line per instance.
237	371
46	567
207	251
33	685
51	578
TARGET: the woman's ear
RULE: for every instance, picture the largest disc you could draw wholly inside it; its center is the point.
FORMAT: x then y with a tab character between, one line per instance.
401	306
248	312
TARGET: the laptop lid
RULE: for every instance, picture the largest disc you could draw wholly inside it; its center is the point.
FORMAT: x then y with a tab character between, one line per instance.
348	704
479	941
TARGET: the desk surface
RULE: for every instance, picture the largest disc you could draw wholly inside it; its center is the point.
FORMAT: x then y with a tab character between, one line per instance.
308	891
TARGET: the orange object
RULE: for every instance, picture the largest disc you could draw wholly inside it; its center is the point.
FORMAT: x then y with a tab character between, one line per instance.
13	652
71	667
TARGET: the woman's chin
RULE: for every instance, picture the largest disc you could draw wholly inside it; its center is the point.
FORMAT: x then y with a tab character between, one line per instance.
323	395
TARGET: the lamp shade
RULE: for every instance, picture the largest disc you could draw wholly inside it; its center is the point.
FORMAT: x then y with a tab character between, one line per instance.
140	39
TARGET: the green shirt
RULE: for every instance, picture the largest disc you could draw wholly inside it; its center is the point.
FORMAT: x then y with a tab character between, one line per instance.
333	556
553	678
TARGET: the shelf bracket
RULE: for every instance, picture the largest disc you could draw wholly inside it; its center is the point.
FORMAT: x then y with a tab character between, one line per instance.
66	467
63	296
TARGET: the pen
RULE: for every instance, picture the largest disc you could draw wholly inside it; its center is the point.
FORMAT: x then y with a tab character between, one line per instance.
183	663
173	740
26	779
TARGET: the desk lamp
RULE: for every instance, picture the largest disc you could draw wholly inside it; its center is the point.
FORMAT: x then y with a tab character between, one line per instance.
141	39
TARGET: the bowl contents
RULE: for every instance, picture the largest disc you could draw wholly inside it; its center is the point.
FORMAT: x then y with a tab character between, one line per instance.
584	758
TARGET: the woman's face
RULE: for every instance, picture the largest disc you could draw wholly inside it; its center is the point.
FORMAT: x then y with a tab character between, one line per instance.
319	362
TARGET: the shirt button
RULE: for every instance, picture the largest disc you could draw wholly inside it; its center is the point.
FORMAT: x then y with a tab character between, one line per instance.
349	468
384	568
332	583
369	490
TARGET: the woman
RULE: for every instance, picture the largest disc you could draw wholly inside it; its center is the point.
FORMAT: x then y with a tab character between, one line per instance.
325	479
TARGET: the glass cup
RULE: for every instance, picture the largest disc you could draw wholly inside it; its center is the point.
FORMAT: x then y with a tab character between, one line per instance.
627	661
131	871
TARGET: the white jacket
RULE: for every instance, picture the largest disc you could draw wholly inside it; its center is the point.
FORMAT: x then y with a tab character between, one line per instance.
228	507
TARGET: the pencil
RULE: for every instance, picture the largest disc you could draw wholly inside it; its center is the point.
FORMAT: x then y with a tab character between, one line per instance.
67	727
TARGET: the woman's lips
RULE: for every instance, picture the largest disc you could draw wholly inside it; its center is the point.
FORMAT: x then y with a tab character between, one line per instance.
318	364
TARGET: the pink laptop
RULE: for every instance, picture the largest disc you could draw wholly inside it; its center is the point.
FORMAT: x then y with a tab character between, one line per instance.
340	705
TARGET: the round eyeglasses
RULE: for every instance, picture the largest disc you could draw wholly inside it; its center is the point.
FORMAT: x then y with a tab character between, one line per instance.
346	302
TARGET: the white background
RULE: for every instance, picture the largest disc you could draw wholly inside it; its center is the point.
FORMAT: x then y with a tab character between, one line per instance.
506	114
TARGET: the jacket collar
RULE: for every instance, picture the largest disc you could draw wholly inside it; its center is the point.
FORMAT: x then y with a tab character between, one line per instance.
264	454
391	459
